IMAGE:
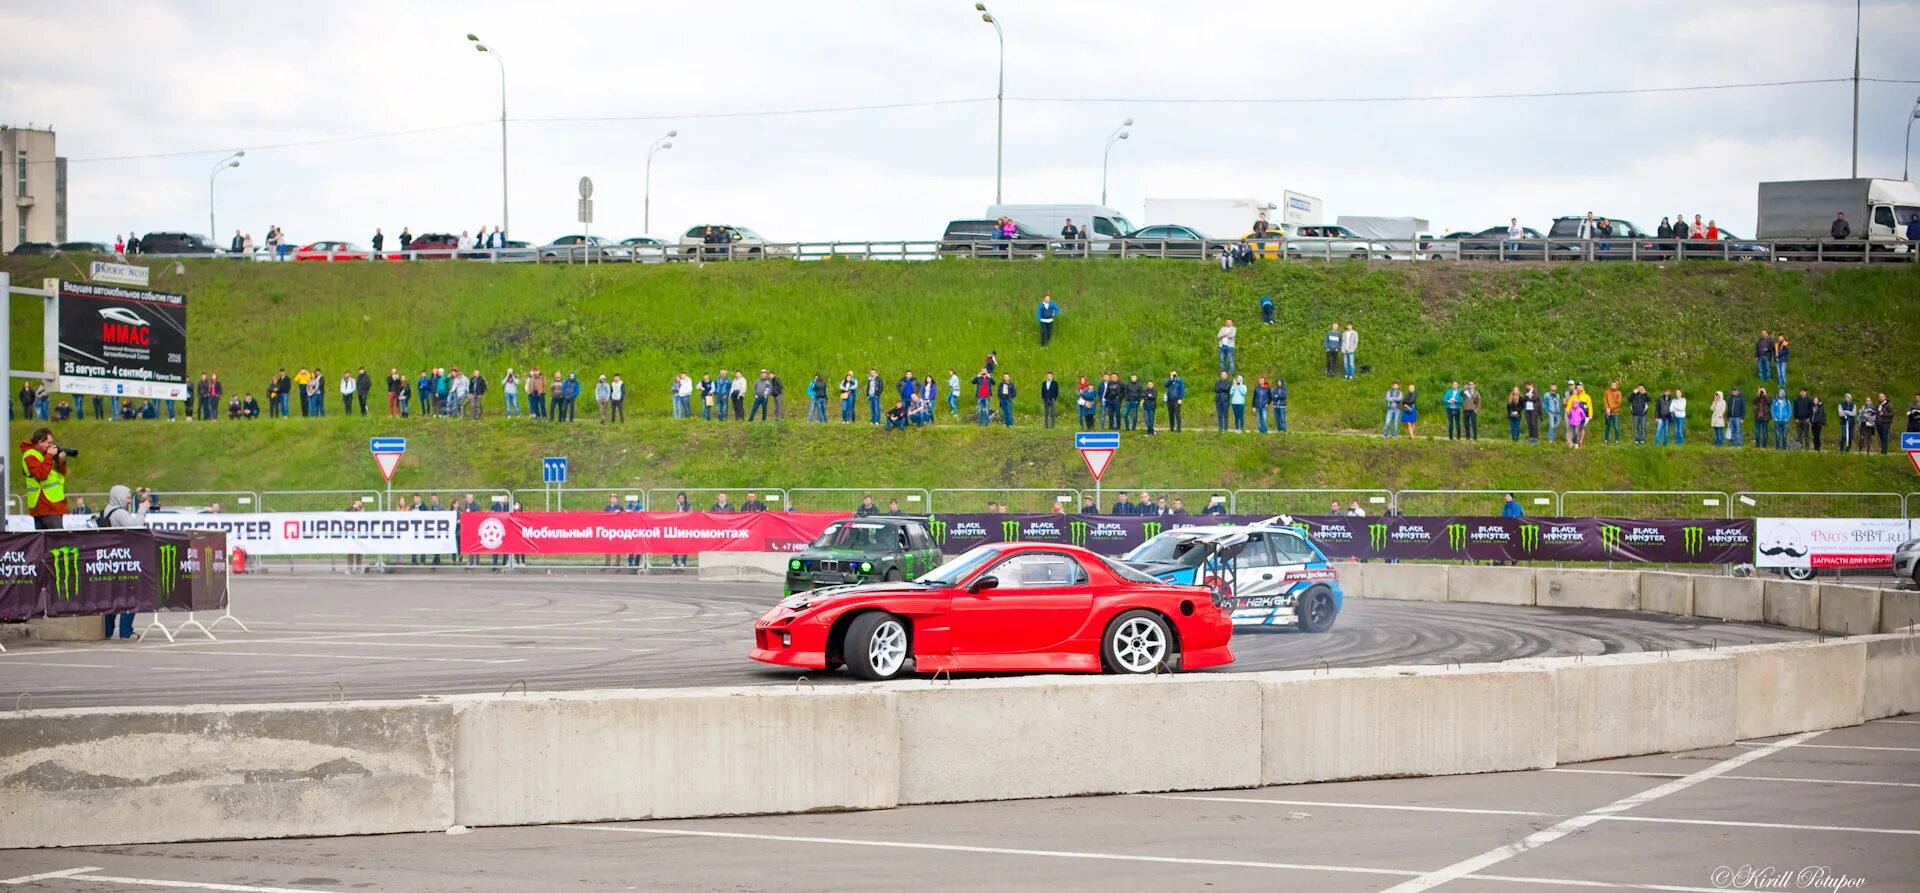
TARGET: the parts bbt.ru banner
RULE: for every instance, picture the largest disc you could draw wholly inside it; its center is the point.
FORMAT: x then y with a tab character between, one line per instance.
645	533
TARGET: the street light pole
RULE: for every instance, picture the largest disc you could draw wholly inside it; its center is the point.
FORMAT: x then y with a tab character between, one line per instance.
213	232
1856	88
1909	151
1112	138
999	102
505	224
646	213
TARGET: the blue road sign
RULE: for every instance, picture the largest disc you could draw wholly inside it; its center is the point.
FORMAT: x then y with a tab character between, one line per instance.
553	470
1910	441
378	445
1096	440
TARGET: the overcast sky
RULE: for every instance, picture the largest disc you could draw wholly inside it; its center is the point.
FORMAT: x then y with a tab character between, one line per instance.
134	79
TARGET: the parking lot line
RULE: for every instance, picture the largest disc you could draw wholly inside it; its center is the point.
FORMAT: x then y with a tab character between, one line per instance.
48	875
1545	836
87	875
1332	805
1883	784
1834	747
1776	825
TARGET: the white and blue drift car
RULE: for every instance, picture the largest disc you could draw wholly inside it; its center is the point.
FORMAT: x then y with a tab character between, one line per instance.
1265	574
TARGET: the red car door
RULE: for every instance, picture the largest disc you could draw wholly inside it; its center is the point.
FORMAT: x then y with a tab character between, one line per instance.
1043	599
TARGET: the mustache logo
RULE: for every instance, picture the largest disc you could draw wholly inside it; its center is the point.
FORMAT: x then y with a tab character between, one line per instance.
1789	551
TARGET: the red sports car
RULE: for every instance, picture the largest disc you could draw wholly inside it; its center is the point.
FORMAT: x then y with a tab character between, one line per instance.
1029	607
330	250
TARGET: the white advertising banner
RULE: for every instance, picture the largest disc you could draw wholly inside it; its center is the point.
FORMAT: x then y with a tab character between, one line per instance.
1829	542
327	533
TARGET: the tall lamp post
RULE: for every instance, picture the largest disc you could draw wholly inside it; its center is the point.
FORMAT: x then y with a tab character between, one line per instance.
1112	138
233	160
505	224
1903	158
646	213
999	101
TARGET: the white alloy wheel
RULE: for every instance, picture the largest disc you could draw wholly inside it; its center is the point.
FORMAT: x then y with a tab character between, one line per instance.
1137	644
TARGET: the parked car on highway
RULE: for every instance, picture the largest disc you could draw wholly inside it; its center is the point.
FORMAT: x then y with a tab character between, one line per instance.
1004	607
581	248
1491	244
739	242
1620	245
175	243
33	248
1329	241
981	238
434	246
1728	247
85	248
647	249
1170	239
864	550
330	250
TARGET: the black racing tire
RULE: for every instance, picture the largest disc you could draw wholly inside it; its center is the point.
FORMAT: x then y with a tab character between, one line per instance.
892	575
877	647
1135	643
1315	611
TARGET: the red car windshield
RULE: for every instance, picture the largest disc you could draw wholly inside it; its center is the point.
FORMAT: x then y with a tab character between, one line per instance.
959	567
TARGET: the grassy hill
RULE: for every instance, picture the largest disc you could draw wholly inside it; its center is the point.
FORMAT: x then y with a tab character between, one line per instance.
1690	327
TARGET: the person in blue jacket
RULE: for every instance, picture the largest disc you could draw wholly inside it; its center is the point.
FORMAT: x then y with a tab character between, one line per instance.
1782	413
1266	309
1046	313
1280	404
1511	509
1176	394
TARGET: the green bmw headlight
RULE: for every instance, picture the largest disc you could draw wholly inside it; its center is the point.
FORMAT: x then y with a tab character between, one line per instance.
866	567
794	564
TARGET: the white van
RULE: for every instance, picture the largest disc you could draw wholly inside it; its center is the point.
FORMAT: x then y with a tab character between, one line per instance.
1103	224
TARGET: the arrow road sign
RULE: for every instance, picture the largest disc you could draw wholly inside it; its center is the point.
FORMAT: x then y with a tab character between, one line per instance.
1097	449
553	470
1910	441
378	445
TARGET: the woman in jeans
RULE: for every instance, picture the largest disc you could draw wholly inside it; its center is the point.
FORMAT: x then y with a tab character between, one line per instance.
1718	418
1513	414
1237	396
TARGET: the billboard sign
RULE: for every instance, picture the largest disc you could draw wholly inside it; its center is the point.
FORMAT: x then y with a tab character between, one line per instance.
122	342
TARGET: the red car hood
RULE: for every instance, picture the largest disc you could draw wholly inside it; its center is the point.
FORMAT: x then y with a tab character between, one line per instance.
828	596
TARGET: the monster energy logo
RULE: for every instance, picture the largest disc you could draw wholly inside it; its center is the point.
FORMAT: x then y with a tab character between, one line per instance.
1457	537
1150	529
1010	531
1529	537
66	571
1077	532
1377	536
939	531
1694	538
169	570
1609	538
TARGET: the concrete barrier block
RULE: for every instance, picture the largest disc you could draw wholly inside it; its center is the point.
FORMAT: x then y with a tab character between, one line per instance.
1893	676
1408	582
1353	578
1400	721
88	628
1790	604
1727	598
1000	739
1620	705
1849	610
1898	610
100	776
1665	593
604	756
1491	585
744	567
1799	687
1610	590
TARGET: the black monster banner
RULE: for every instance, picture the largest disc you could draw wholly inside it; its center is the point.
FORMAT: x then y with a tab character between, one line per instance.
58	574
1462	538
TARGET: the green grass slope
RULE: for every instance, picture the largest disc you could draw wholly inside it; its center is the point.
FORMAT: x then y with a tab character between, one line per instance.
1691	327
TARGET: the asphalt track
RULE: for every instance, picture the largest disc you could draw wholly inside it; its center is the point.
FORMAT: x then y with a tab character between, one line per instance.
1823	811
318	637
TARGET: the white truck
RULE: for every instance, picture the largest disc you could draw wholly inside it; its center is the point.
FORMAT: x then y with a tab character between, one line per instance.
1231	218
1877	210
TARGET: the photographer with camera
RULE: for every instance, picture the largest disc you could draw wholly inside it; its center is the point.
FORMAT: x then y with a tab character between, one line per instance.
45	466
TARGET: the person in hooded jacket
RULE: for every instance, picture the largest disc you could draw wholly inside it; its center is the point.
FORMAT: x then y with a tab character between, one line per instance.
123	512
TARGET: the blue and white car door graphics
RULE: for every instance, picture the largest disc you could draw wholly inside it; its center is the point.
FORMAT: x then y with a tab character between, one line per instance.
1274	570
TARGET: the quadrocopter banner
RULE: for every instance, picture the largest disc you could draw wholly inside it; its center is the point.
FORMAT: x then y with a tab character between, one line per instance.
1676	540
1830	542
326	533
111	571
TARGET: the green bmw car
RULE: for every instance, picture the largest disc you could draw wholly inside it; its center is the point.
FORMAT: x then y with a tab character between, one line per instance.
864	550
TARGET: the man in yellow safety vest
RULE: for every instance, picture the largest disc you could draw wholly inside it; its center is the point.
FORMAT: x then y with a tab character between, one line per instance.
45	466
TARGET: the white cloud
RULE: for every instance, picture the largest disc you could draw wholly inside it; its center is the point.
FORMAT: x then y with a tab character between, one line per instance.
130	79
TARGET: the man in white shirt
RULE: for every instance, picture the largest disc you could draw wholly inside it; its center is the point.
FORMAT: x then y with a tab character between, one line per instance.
617	399
1514	234
347	388
1349	345
1678	408
1226	336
